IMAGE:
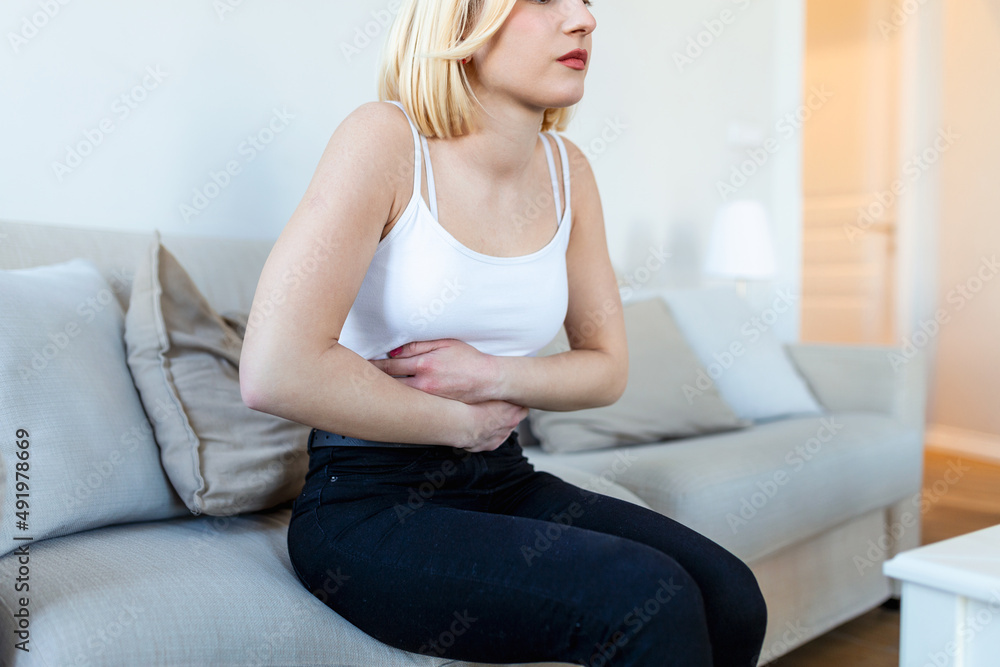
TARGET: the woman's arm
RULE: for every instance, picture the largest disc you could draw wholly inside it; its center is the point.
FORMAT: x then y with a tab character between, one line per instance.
595	370
292	364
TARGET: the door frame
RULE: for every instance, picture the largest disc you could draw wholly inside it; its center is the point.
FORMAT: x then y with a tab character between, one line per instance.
921	95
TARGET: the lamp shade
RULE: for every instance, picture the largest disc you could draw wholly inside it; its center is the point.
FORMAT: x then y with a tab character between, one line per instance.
741	246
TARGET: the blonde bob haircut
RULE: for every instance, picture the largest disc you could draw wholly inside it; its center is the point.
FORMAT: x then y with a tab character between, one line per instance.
421	63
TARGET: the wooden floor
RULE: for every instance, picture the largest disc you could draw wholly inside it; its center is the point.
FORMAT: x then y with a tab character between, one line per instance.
971	503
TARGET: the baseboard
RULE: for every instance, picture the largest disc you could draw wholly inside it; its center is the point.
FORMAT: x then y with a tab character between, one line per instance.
976	487
959	441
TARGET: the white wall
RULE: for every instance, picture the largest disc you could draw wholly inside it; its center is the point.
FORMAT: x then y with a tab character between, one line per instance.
967	366
224	75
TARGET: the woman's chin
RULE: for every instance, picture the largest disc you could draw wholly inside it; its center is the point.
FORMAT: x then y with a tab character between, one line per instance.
567	99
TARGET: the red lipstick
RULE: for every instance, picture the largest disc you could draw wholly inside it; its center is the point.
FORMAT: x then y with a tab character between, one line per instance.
575	59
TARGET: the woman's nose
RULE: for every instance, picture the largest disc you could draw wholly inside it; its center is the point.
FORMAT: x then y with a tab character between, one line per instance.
580	18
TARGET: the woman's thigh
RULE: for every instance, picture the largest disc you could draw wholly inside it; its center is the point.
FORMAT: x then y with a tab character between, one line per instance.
458	583
735	608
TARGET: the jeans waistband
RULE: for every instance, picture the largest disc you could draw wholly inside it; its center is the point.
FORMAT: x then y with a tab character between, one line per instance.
320	438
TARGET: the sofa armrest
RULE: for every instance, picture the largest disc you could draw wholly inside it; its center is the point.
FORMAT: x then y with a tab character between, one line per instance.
877	378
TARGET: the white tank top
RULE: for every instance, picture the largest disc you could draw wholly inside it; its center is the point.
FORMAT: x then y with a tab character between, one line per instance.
423	284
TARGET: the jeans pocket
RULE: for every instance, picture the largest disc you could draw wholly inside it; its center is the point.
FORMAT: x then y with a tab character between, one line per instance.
308	497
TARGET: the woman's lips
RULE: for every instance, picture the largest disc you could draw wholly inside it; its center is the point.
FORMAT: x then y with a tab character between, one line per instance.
575	59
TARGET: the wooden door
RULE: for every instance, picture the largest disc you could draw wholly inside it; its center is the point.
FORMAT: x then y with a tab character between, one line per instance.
850	172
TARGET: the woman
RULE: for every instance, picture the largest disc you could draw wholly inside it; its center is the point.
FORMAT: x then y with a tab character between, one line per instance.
399	313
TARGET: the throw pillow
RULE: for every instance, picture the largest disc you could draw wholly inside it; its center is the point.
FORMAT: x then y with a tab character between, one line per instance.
77	448
222	457
743	357
653	407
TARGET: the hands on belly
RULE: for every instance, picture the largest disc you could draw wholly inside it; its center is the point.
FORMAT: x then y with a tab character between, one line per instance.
445	367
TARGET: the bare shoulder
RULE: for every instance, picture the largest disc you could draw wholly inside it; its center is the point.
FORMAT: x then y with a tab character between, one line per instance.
372	147
584	185
382	117
580	172
377	131
577	158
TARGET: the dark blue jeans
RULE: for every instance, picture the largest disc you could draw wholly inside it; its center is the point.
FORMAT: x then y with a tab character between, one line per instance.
479	557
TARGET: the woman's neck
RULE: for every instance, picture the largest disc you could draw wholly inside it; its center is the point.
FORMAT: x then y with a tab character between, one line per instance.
502	145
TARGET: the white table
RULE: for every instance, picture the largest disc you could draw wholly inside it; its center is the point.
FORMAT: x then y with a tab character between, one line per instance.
950	601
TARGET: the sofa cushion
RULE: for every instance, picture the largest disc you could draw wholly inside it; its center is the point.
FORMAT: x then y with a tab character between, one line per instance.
654	406
769	486
222	457
602	483
743	357
189	591
87	452
226	270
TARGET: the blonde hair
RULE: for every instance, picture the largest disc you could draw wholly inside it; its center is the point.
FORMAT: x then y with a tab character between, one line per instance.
420	63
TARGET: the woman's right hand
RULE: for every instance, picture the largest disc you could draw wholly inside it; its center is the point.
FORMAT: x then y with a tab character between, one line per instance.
490	424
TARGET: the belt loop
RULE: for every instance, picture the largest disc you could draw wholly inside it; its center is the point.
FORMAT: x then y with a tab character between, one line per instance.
309	445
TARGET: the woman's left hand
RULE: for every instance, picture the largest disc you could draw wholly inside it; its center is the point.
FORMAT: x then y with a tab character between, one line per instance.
444	367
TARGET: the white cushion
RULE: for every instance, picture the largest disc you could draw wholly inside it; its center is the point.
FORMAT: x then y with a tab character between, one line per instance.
654	406
602	483
91	460
758	490
742	356
226	270
192	591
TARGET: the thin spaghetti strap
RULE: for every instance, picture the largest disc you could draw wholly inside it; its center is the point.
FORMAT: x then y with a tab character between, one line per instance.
416	150
552	175
565	168
431	192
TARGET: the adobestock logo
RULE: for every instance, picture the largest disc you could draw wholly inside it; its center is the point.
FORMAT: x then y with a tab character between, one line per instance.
62	338
912	170
611	132
105	637
713	28
753	329
31	26
438	646
223	7
365	35
423	316
421	493
796	458
929	496
792	636
901	14
251	147
787	127
557	525
959	297
632	282
122	107
634	620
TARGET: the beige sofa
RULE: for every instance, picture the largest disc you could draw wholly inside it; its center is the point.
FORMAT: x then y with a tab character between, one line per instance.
197	590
